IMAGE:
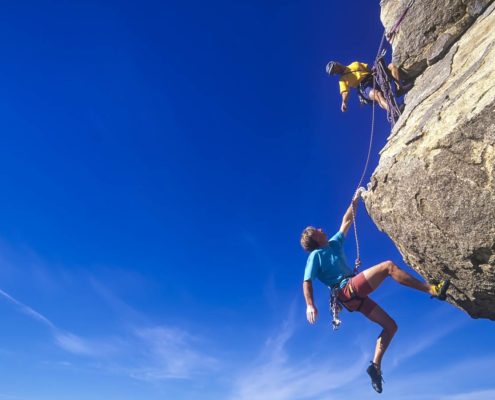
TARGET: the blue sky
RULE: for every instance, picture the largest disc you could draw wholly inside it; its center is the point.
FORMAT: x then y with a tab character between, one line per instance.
158	163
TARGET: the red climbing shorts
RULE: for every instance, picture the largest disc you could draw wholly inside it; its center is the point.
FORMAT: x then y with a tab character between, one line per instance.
357	286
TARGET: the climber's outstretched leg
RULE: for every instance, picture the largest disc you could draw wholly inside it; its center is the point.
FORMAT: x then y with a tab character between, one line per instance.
377	274
389	326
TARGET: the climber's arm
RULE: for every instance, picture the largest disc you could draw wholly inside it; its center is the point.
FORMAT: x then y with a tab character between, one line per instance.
345	97
311	310
348	216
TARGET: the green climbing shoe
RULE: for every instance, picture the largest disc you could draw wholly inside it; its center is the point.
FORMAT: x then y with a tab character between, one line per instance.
376	377
441	289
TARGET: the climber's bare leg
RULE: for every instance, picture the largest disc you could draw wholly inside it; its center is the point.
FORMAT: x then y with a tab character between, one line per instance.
389	326
377	274
395	72
377	96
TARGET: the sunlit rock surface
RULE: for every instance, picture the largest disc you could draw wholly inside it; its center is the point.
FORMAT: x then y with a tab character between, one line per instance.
433	191
429	28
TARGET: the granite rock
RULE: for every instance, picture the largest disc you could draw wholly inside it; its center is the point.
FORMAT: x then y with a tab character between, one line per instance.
433	191
429	29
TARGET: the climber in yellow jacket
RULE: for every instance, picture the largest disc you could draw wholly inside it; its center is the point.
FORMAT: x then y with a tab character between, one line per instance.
359	76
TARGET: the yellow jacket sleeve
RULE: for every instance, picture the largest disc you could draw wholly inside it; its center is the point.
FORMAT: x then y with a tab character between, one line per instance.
343	86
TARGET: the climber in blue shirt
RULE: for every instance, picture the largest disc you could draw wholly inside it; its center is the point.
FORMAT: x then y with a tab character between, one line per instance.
327	263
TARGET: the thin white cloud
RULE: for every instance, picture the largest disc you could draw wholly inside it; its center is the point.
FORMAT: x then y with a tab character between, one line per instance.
169	353
73	344
440	380
85	347
151	354
65	340
462	379
274	376
28	310
119	306
428	337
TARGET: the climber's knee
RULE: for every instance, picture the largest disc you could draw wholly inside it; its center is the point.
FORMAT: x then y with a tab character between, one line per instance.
391	326
390	266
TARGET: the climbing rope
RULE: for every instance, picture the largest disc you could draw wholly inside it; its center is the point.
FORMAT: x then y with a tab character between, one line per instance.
382	76
383	80
380	70
395	28
357	262
335	307
393	114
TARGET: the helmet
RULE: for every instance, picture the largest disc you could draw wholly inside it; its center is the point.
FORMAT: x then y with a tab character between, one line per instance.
329	67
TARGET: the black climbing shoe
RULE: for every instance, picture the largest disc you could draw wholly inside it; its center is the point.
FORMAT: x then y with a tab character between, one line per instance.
376	377
441	289
404	89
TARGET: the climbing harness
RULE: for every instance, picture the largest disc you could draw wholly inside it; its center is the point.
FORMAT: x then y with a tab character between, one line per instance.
363	97
382	78
353	296
379	77
337	304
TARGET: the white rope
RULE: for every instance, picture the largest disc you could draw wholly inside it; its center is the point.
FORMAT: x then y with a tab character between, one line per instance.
335	307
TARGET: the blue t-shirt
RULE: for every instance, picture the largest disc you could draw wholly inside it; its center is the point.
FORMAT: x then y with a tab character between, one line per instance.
328	264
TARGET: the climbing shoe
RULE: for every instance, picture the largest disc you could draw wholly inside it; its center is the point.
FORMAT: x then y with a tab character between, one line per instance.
376	377
404	89
441	289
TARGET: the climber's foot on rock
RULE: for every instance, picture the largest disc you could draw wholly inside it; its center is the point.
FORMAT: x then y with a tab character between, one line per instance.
439	291
403	89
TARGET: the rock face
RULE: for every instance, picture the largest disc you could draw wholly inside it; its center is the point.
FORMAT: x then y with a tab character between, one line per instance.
429	30
433	191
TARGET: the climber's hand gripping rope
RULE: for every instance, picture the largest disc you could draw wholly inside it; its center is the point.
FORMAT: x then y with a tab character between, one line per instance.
358	194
